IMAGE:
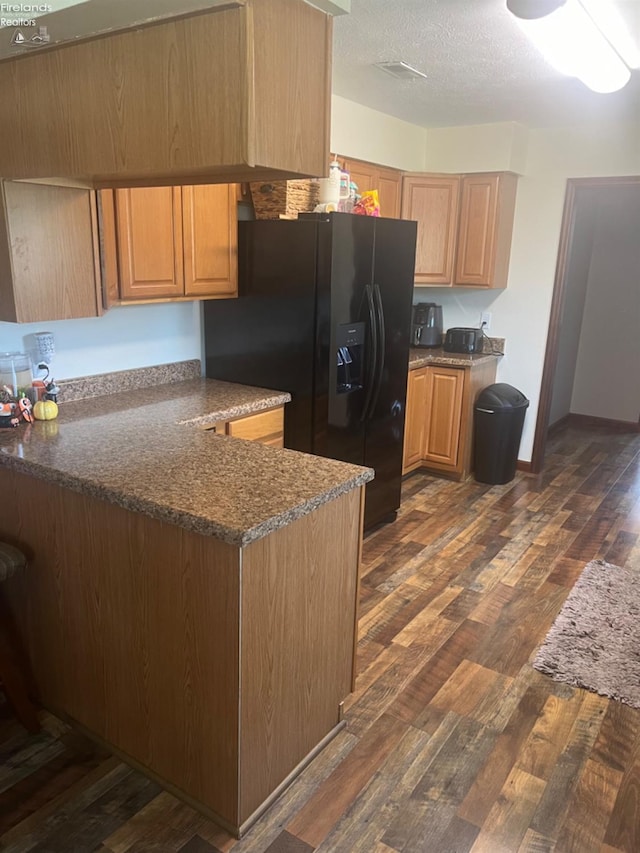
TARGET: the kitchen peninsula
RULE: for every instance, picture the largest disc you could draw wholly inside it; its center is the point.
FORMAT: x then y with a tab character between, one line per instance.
191	597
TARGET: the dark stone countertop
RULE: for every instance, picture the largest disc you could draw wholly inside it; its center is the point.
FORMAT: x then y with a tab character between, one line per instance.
144	450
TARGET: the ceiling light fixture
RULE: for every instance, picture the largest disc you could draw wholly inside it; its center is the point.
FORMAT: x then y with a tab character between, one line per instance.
581	38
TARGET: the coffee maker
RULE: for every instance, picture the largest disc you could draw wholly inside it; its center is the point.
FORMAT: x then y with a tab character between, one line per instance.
426	325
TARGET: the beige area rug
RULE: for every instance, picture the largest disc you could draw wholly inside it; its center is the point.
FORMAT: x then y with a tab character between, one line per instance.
595	641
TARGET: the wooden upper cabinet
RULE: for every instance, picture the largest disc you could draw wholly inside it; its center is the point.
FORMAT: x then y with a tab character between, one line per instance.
486	223
149	229
49	265
390	192
162	243
210	228
235	93
432	201
369	176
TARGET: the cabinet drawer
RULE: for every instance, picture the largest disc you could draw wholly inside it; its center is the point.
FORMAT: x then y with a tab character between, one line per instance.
266	427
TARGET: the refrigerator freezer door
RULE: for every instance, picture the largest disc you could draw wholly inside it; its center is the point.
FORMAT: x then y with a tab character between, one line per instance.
340	428
393	272
266	337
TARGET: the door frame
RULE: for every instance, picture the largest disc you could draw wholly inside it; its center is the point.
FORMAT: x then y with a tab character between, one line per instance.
575	186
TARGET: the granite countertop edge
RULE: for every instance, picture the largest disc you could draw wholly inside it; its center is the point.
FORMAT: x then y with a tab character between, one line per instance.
423	357
180	518
270	401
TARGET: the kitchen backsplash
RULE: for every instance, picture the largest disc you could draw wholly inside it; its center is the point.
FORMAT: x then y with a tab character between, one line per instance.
84	387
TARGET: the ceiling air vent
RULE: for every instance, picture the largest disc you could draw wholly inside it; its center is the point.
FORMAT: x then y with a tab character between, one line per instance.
401	70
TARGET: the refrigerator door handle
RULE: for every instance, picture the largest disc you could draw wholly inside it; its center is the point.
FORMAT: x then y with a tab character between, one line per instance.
381	338
373	360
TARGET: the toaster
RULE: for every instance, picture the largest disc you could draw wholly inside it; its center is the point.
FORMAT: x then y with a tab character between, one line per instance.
463	339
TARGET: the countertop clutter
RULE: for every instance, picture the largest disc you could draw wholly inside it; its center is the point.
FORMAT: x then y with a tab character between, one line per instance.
143	450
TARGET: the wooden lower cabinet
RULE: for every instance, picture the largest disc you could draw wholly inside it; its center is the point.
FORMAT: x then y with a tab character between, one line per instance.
266	427
439	417
217	669
443	413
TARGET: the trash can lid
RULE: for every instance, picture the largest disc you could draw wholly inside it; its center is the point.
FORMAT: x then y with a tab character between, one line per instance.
501	397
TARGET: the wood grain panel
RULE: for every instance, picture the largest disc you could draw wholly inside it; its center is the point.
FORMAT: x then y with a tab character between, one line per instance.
433	202
51	258
149	229
266	427
206	95
486	222
415	418
292	86
390	192
210	229
114	606
443	415
297	663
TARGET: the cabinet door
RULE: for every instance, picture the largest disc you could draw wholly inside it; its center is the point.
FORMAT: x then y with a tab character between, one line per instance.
210	226
486	223
389	192
476	239
433	203
414	423
443	416
149	230
364	175
48	253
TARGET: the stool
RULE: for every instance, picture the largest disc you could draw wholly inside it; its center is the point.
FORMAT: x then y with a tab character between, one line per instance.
13	560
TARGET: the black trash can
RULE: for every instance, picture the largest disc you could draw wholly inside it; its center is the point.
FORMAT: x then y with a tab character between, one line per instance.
498	420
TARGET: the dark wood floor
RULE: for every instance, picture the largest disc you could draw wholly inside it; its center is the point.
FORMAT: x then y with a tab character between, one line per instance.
454	743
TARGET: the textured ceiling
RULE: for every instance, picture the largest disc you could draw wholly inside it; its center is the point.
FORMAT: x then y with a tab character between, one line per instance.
481	68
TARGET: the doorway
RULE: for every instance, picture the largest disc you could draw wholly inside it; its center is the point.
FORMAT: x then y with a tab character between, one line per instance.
582	312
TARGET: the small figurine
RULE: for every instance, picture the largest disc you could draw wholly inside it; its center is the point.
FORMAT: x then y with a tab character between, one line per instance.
24	406
8	417
52	391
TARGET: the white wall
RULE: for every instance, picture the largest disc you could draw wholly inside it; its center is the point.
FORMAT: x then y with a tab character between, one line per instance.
125	337
575	295
367	134
521	311
607	377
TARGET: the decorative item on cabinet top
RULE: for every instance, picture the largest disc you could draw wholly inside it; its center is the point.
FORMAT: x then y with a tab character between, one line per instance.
283	199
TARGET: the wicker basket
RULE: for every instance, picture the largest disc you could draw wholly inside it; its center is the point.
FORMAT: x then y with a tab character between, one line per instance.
284	198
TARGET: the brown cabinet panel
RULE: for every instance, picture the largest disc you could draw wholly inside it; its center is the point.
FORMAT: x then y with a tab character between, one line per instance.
389	193
48	253
210	229
487	203
265	427
443	415
369	176
439	417
433	202
415	419
149	231
162	243
203	97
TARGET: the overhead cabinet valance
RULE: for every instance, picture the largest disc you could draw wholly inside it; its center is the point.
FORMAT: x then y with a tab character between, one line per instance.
241	92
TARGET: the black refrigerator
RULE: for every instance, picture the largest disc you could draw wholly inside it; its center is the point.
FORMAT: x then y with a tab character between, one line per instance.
324	312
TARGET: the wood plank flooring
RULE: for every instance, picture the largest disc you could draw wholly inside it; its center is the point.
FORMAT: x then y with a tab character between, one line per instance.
453	742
